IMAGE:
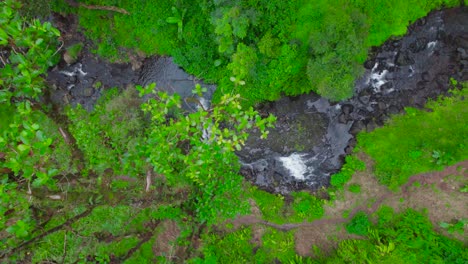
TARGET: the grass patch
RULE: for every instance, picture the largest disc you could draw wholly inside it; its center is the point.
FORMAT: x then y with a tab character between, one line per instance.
420	141
303	207
406	237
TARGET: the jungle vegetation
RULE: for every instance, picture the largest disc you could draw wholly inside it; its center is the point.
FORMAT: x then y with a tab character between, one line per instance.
79	187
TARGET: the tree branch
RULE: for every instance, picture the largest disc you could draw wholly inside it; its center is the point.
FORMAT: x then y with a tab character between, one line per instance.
95	7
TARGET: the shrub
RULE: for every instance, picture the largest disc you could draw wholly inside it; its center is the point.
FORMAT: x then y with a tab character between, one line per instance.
420	140
352	164
359	225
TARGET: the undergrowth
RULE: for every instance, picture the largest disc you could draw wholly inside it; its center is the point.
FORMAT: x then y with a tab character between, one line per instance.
260	49
406	237
420	140
303	207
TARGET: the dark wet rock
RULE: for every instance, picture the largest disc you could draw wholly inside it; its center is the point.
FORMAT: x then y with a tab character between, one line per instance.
80	77
342	119
393	110
371	125
387	87
426	77
347	109
382	106
462	41
364	99
88	91
369	64
463	53
418	45
421	22
357	127
403	59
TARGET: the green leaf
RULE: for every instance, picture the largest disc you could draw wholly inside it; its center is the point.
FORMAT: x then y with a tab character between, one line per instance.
172	20
23	148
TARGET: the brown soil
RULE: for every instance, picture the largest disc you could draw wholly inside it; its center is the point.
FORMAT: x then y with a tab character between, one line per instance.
438	193
165	241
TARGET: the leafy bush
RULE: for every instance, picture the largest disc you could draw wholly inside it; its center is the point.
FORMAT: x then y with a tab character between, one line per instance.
104	141
407	237
306	207
26	150
237	247
359	225
419	141
352	164
354	188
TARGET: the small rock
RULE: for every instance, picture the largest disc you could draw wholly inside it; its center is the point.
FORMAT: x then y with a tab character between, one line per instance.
371	125
362	112
365	99
386	86
421	85
369	64
463	53
72	79
347	109
88	92
425	76
403	59
356	127
419	45
393	110
462	42
342	119
66	98
382	106
68	58
441	35
421	22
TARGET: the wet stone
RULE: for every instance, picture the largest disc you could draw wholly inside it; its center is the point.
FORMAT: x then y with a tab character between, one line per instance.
393	110
356	127
419	45
88	92
347	109
462	42
342	119
382	106
371	125
463	53
386	87
425	76
369	64
403	59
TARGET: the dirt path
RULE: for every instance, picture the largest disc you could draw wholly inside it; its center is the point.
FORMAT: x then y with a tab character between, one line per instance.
437	191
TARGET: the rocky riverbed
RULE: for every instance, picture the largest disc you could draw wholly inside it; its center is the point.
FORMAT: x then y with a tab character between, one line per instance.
312	135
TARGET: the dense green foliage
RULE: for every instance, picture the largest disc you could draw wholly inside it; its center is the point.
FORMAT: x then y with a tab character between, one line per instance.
193	152
359	225
420	140
303	207
260	49
28	137
352	164
104	142
406	237
190	154
236	247
74	191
